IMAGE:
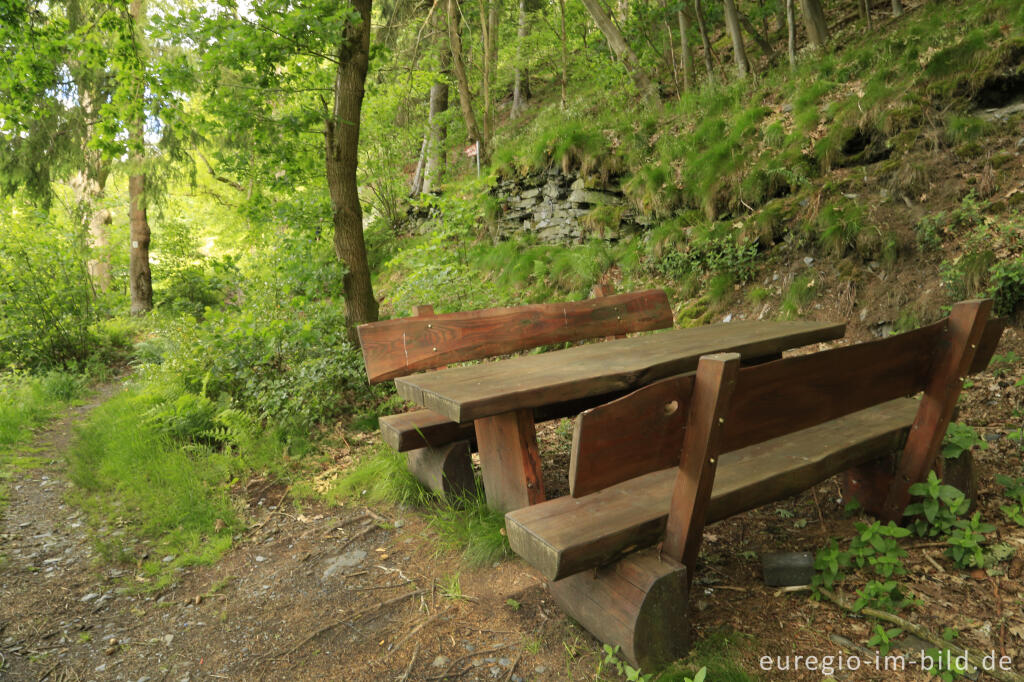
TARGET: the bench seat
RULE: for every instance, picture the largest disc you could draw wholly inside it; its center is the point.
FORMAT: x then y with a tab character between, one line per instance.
566	535
422	428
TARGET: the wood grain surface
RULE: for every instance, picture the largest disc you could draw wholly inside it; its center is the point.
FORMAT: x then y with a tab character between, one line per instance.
466	393
394	348
566	535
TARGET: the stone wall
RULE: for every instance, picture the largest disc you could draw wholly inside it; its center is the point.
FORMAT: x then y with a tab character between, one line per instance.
560	209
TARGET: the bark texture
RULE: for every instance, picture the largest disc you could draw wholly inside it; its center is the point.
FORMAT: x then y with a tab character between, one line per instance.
341	139
140	279
521	84
689	77
459	66
814	22
698	10
791	33
732	22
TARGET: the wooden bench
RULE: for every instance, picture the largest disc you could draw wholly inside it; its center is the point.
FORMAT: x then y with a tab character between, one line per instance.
437	448
658	464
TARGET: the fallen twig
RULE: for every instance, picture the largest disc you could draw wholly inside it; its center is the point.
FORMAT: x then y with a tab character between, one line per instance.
404	676
921	633
483	652
426	621
362	533
933	562
345	621
375	587
849	645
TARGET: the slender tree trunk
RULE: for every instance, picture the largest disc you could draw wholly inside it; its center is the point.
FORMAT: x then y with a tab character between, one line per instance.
88	185
897	8
433	172
732	22
565	53
619	46
140	278
459	66
865	11
521	87
671	50
416	187
489	37
341	141
814	22
791	32
705	41
689	77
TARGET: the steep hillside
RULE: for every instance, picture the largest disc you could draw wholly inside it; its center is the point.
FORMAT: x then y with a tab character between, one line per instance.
877	183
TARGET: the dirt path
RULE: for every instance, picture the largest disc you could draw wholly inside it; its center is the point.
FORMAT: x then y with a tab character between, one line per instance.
343	594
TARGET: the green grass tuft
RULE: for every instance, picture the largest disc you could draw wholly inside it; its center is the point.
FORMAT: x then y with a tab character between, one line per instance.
127	466
463	524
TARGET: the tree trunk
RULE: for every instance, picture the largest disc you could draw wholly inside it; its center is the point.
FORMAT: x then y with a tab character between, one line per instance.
421	161
465	99
619	46
897	8
521	88
488	35
814	22
689	77
140	279
732	22
791	32
705	41
88	185
865	10
565	53
433	171
341	140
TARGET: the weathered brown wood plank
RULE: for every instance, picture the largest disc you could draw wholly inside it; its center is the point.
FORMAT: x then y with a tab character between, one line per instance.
510	460
466	393
422	428
713	387
566	535
788	395
966	326
394	348
648	424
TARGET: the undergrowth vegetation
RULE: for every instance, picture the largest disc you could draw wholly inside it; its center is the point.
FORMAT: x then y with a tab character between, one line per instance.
463	524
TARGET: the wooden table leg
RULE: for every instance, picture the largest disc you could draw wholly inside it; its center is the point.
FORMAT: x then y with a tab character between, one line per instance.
509	460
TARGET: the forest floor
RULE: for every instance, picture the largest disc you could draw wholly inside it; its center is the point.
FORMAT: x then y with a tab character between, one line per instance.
356	593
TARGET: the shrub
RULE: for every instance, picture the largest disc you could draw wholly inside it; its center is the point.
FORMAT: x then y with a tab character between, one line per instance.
46	295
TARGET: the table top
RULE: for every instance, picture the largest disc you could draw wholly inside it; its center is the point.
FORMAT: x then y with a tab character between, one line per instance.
463	394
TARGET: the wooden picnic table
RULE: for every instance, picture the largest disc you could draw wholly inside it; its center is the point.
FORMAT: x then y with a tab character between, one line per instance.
499	397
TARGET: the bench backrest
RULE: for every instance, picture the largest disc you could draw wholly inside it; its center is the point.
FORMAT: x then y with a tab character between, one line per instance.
690	420
770	400
395	348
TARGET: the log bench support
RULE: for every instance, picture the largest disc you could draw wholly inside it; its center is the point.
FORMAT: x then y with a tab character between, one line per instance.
637	604
446	469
